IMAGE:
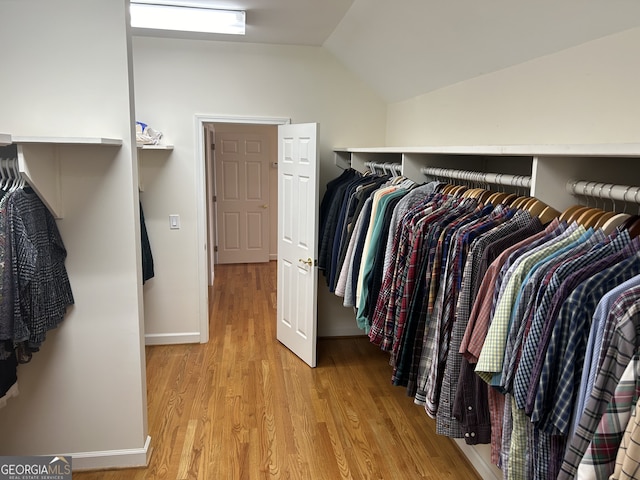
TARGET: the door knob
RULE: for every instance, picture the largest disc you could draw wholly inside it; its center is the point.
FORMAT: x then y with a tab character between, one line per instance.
265	206
307	262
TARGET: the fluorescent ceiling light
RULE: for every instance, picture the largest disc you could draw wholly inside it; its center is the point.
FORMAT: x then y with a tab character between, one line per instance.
187	19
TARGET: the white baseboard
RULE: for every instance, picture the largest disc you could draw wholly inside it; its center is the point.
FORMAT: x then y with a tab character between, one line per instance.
113	459
171	338
480	458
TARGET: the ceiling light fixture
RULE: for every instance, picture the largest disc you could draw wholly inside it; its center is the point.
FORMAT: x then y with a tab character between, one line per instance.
187	19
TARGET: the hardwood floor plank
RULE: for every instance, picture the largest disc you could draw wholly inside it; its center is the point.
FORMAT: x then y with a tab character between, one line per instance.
244	407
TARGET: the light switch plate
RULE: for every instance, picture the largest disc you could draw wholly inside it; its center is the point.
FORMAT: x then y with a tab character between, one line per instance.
174	222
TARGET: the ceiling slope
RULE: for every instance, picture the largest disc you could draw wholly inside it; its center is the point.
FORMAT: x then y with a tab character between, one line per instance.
406	48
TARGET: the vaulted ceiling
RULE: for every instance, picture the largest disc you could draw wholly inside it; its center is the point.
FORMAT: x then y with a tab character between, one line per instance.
405	48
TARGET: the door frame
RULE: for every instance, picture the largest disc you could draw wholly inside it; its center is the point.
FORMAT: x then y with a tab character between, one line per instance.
201	199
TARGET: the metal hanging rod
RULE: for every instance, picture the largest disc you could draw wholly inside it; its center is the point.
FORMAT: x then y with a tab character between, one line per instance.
608	191
385	166
479	177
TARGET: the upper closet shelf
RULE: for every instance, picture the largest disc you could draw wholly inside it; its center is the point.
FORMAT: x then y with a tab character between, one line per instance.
69	140
39	164
581	150
5	139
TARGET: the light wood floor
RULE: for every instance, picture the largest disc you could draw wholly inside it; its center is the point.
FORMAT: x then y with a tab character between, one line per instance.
244	407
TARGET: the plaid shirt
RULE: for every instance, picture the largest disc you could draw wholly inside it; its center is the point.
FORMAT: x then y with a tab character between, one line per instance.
407	347
492	355
415	197
538	279
599	459
426	229
6	296
41	287
427	354
383	319
470	388
596	344
566	290
480	316
625	340
437	334
454	360
555	396
628	459
448	370
532	340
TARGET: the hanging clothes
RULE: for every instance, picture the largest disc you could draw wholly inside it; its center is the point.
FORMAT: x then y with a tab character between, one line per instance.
507	331
34	286
147	256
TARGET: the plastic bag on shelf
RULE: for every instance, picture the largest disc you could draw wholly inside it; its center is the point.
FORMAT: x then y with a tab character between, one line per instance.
145	135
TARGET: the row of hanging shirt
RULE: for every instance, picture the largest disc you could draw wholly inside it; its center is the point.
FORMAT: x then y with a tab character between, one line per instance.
487	314
34	286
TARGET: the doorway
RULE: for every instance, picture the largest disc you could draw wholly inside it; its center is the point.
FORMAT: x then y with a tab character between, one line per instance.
241	166
207	224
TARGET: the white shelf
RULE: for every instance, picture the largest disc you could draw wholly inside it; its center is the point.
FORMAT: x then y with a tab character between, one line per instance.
5	139
582	150
155	147
550	166
39	164
69	140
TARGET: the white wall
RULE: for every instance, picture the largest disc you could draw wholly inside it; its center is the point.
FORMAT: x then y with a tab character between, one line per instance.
585	94
67	73
177	79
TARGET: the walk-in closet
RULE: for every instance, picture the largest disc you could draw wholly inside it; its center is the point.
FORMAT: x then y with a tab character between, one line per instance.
537	101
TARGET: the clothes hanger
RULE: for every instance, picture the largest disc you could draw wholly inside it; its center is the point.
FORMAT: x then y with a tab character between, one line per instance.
577	213
634	227
614	222
564	217
3	175
606	216
536	207
519	202
457	190
483	197
526	205
447	189
509	199
496	198
590	219
15	176
548	214
630	221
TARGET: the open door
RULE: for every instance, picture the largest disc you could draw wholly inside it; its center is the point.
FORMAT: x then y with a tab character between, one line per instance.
297	239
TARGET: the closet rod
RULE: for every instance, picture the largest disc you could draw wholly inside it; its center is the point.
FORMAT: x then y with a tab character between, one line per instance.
480	177
393	166
608	191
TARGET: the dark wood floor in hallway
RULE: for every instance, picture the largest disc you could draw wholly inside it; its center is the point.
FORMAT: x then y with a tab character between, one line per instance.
244	407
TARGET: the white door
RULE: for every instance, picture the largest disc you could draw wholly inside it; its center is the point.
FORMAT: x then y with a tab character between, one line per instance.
297	233
209	136
242	197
